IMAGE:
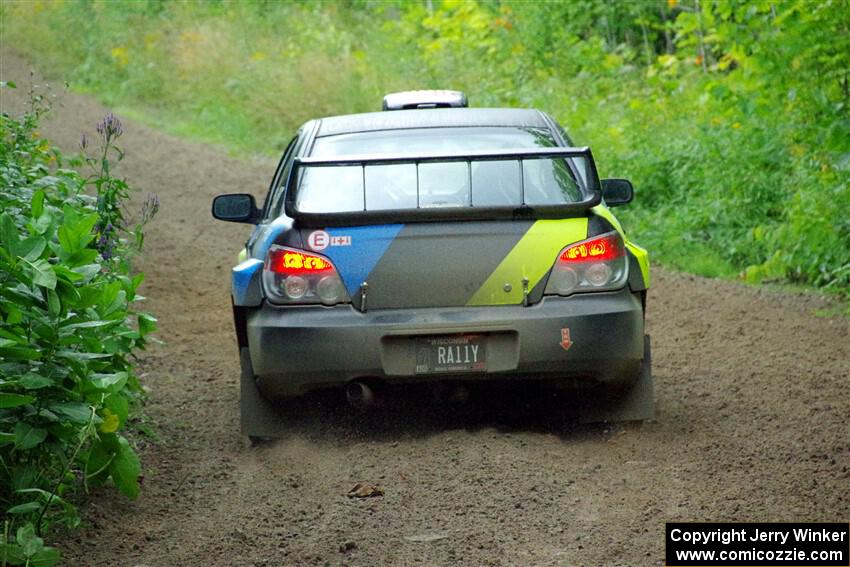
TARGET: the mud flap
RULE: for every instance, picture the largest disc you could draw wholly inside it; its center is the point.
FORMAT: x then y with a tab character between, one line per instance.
637	403
258	416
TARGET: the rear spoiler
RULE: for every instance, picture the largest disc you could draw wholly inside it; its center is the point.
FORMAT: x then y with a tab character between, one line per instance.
591	188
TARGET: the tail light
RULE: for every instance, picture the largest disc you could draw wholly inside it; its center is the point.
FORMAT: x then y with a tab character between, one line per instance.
595	264
295	276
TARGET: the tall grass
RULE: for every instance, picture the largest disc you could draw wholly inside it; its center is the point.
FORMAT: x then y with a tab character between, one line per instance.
240	74
731	118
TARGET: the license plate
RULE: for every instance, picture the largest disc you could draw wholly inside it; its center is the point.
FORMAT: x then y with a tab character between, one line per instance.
451	354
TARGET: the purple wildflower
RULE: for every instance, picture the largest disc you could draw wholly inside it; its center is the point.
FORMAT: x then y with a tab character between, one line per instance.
110	127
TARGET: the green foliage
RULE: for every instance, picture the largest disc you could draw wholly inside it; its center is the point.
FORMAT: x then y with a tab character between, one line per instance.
730	116
69	332
26	548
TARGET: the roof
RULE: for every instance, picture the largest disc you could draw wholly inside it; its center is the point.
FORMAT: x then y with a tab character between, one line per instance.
431	118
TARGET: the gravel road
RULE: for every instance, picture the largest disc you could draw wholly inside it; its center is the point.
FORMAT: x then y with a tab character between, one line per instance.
753	421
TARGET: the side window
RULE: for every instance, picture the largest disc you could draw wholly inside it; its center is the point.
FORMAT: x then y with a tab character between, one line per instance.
274	199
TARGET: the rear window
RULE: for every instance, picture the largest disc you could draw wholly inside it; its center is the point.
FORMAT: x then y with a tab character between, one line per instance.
497	183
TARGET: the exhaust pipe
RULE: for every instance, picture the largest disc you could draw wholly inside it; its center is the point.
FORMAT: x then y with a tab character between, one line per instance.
360	395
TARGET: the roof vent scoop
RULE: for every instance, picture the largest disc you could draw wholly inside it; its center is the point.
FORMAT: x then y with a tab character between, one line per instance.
407	100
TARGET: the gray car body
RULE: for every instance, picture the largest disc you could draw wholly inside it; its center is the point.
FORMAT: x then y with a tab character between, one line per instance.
287	350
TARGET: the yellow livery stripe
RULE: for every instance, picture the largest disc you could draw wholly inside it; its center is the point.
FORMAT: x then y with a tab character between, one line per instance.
640	253
643	260
531	258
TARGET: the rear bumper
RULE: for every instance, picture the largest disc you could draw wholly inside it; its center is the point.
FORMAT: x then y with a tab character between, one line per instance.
296	349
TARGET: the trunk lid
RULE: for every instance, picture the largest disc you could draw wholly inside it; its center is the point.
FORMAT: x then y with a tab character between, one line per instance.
445	264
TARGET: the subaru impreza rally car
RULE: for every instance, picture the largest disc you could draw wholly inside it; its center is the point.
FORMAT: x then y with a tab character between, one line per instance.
436	242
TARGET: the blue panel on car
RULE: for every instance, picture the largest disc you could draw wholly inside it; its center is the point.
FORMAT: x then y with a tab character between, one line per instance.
246	283
268	235
356	250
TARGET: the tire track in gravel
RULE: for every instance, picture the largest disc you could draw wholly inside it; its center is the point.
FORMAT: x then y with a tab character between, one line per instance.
753	423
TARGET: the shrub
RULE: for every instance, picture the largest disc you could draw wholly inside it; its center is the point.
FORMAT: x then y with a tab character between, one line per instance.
70	330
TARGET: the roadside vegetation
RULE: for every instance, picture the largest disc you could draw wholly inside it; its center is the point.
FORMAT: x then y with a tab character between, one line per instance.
70	330
732	117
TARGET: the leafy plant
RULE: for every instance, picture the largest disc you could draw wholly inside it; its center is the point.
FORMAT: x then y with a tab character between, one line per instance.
70	331
112	195
26	548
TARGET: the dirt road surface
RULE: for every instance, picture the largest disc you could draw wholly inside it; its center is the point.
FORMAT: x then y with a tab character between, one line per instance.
753	422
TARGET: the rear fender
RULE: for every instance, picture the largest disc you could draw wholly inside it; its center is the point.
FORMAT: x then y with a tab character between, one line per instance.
245	284
246	287
638	267
638	257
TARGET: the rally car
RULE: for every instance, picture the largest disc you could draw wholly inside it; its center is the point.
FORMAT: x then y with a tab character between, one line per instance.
440	243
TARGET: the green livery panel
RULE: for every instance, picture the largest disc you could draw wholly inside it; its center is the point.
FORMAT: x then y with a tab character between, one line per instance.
531	258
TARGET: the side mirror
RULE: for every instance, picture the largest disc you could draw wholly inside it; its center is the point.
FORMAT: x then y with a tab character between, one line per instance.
617	192
235	207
